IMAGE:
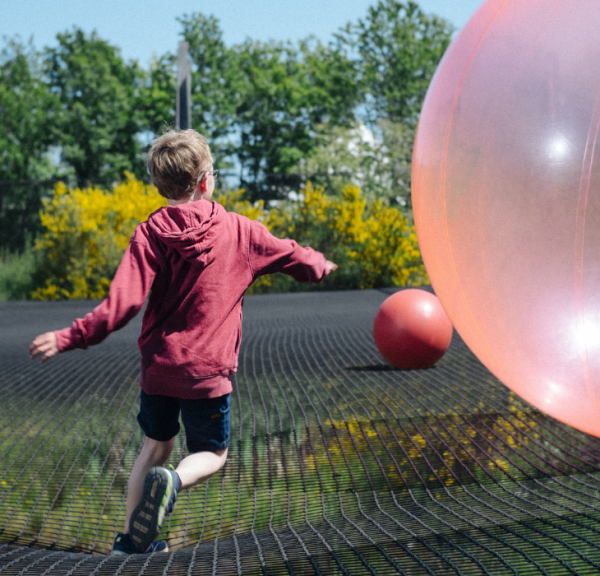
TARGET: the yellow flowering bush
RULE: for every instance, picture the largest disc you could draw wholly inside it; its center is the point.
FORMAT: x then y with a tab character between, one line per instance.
233	201
374	244
88	229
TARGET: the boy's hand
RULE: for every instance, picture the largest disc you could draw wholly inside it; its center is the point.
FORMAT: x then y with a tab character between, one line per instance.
330	266
44	344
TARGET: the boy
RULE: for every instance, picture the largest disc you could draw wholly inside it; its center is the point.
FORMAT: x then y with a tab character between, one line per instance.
195	260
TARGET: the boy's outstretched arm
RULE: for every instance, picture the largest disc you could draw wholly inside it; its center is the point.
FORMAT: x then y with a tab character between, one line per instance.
44	345
128	292
269	254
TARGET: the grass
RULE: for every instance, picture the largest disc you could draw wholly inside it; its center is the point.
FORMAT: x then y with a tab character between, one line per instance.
16	274
65	466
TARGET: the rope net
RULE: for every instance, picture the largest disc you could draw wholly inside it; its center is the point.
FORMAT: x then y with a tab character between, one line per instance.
339	463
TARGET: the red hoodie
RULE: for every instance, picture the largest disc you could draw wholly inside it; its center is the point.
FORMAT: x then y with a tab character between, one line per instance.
196	260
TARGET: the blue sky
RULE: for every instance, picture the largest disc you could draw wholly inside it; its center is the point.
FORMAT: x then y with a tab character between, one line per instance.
143	27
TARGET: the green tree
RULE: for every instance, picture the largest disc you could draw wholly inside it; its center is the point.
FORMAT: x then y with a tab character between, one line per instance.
100	118
272	116
259	103
398	48
289	92
157	95
379	163
395	162
344	155
27	108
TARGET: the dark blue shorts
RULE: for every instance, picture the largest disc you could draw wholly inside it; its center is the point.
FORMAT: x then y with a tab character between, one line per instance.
206	421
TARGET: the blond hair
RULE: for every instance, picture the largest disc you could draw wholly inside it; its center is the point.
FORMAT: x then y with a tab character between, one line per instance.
176	161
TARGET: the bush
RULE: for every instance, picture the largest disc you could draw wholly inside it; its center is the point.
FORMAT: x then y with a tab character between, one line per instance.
15	274
374	244
87	231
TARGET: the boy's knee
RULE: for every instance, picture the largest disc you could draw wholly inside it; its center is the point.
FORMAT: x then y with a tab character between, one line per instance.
158	449
222	455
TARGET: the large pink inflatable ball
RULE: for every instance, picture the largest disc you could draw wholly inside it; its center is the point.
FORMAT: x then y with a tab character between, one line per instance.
411	329
506	197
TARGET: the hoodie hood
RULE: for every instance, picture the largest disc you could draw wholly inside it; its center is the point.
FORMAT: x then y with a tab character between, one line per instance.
189	229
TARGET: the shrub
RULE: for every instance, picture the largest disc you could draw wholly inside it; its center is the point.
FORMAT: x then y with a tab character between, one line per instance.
87	230
86	233
374	244
15	274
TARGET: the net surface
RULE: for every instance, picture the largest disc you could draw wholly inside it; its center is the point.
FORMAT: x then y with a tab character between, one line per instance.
339	463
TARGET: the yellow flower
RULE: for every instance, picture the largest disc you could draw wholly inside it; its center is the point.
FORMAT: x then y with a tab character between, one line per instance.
87	230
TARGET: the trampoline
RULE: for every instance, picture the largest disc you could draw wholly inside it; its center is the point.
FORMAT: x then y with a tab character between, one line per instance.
339	463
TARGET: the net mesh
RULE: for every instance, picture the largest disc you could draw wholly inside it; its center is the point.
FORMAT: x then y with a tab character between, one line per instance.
339	463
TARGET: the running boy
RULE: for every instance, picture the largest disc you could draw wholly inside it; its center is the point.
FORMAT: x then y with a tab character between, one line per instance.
195	260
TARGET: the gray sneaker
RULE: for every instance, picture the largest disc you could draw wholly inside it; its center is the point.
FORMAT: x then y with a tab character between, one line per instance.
123	546
158	499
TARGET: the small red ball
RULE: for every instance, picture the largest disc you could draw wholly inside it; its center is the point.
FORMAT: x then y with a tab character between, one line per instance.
411	329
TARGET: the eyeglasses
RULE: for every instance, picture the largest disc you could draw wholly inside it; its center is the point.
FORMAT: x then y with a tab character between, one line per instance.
215	174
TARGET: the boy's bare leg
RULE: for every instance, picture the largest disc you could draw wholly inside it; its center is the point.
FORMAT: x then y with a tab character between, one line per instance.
154	453
193	470
200	466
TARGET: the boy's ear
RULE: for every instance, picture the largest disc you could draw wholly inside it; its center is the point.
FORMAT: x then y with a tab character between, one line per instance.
202	186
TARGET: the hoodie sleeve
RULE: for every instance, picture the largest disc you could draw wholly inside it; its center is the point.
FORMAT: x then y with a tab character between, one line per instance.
268	254
128	292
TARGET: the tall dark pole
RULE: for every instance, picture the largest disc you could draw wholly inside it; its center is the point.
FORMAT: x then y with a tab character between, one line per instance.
184	89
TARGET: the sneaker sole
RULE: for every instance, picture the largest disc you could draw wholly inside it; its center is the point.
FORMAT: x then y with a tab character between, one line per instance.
122	553
148	516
